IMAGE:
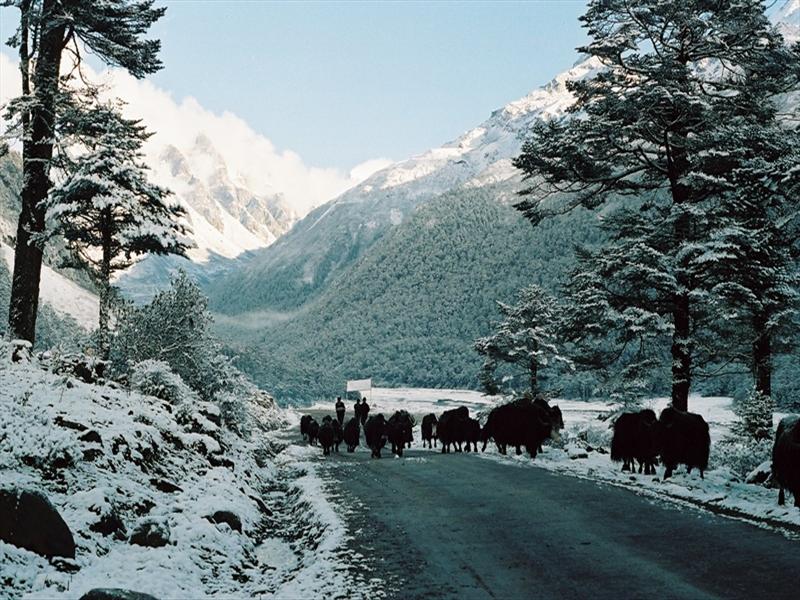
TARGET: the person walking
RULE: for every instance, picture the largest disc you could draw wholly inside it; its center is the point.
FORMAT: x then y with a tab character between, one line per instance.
357	410
364	411
340	410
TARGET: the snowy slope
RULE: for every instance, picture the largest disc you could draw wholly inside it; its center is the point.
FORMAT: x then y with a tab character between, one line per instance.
62	294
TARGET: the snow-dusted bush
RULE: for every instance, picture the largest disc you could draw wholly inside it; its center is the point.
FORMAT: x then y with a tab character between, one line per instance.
175	327
755	416
155	378
740	454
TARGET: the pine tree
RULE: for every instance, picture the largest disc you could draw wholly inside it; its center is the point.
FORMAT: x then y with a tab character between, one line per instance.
524	338
754	416
749	262
49	31
107	211
641	128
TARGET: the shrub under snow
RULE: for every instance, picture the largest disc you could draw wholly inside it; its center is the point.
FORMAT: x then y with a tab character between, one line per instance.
155	378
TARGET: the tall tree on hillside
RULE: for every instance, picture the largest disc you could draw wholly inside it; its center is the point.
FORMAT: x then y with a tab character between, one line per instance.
49	31
641	127
105	208
525	338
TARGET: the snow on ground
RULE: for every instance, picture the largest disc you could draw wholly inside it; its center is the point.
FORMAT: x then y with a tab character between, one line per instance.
289	533
417	400
63	295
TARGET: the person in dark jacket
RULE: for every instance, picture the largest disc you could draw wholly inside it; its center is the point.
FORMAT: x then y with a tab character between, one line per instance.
357	409
340	410
364	411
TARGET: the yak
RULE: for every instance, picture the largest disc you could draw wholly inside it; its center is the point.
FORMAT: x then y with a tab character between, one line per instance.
556	418
375	433
683	439
338	434
305	420
520	423
313	431
428	430
352	433
786	458
636	439
399	430
448	428
468	431
326	436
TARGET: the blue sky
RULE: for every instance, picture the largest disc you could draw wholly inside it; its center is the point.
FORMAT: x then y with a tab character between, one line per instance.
340	83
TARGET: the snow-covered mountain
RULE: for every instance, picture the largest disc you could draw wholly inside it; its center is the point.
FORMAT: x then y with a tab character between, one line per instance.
336	234
226	217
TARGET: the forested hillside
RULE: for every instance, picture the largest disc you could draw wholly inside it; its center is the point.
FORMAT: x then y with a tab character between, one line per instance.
408	311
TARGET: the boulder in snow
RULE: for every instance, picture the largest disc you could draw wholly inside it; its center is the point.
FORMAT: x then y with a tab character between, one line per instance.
760	474
165	486
225	516
28	520
151	532
91	437
110	523
115	594
576	452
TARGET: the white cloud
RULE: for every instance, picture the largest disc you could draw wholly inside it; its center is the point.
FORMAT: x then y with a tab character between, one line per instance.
363	170
248	154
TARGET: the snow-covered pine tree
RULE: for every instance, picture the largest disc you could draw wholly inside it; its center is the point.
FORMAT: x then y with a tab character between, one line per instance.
616	309
754	416
641	123
49	31
749	261
106	209
525	338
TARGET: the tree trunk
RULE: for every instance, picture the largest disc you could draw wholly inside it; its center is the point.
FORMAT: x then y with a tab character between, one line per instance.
534	370
105	286
681	353
37	152
681	350
762	356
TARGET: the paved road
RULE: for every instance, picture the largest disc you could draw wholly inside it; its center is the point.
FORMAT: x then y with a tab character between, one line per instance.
459	526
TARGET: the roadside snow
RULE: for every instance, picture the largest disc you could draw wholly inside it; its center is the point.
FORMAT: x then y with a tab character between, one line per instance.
289	538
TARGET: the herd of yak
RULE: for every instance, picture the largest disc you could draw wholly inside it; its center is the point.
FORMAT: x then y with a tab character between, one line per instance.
674	438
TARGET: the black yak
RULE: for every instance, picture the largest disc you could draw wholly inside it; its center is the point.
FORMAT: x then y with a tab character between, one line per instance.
636	438
449	426
398	431
786	458
313	431
338	434
468	431
326	436
375	434
519	423
304	422
352	433
428	430
683	440
556	418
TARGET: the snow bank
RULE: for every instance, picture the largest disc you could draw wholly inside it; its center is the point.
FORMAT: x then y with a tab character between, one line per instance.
99	450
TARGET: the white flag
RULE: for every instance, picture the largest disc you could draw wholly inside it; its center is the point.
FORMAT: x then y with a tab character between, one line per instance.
359	385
